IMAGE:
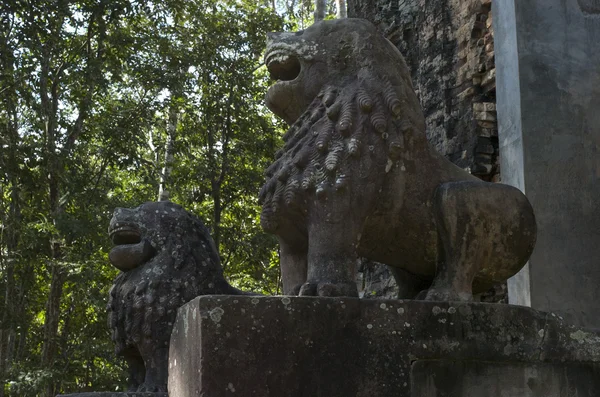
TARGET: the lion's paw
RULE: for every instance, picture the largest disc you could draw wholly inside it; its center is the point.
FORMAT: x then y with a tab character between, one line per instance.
326	288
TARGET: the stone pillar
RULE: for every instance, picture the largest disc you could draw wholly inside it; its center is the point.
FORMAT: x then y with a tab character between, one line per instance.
548	103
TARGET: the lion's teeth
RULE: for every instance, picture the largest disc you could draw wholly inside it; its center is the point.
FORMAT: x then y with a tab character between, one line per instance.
276	57
118	229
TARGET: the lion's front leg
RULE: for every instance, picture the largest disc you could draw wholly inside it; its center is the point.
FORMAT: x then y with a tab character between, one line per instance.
293	260
334	234
137	369
156	361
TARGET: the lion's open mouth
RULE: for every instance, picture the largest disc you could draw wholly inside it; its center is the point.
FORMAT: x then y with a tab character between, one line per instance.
282	66
286	68
130	250
122	234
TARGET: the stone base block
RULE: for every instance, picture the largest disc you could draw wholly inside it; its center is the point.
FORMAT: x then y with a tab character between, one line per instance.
341	347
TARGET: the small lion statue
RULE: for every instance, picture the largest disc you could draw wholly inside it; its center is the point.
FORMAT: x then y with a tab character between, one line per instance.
167	258
356	177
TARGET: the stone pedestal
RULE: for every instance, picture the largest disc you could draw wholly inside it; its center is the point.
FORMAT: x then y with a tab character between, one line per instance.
341	347
548	94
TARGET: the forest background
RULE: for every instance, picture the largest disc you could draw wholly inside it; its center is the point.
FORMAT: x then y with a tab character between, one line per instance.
111	103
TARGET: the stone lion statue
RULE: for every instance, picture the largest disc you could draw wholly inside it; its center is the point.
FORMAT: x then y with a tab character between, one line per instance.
167	258
356	177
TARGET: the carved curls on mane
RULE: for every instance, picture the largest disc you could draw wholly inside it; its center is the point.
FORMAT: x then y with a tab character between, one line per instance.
338	127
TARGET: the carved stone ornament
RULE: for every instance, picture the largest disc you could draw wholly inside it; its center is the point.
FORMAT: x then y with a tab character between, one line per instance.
357	177
168	258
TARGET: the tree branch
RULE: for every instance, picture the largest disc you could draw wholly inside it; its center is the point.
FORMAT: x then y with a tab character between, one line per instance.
94	61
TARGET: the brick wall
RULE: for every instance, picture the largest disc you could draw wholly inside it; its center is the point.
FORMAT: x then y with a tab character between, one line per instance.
449	47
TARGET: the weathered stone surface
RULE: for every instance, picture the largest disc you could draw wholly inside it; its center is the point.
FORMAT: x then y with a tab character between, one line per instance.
340	347
548	52
114	394
168	258
449	49
358	178
444	378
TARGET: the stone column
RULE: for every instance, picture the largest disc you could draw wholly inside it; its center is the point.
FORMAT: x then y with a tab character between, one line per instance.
548	103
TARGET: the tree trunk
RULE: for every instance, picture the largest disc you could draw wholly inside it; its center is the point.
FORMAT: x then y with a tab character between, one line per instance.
215	184
291	5
57	273
8	324
217	210
49	101
10	238
49	98
49	95
49	349
342	12
320	7
165	176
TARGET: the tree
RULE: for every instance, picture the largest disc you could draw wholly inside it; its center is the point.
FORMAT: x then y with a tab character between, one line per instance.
342	11
320	7
57	58
104	104
299	14
228	136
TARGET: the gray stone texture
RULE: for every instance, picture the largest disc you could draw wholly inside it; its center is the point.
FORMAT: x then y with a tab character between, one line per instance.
449	48
548	52
340	347
376	281
445	378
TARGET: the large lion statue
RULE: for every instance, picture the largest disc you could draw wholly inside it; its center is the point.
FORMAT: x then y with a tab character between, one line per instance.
357	178
167	258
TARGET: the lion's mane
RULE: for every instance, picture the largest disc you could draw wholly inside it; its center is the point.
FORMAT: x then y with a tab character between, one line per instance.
370	116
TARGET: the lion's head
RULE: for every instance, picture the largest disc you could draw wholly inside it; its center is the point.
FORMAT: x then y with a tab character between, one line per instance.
334	54
347	94
158	229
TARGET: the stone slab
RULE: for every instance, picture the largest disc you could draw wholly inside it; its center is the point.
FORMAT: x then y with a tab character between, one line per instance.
340	347
548	91
444	378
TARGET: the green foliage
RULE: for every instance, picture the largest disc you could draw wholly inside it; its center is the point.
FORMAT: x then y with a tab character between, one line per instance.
101	103
91	94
